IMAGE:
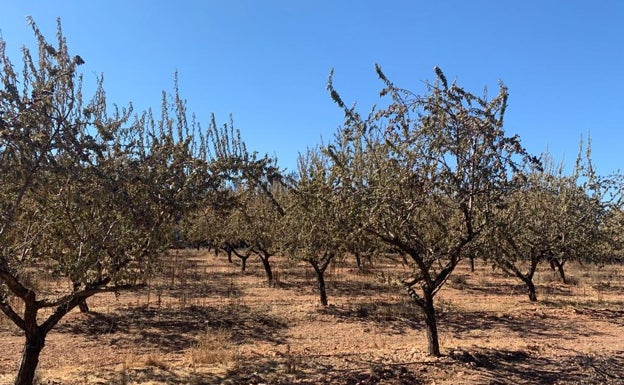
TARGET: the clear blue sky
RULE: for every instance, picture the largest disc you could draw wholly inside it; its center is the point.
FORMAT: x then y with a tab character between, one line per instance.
267	62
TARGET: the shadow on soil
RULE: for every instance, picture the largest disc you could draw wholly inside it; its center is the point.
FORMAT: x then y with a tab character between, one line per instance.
537	323
404	315
487	366
352	288
510	367
394	318
198	285
498	289
607	315
281	370
173	330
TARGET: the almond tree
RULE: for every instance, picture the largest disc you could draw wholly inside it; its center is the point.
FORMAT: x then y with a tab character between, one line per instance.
87	197
428	170
260	222
244	220
612	228
584	201
611	244
524	232
549	216
259	208
313	223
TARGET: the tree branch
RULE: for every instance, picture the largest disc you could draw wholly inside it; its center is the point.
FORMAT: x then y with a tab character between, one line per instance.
14	285
13	316
65	304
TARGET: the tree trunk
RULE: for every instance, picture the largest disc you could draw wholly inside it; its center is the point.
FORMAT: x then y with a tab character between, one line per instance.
243	257
30	359
84	308
267	267
552	262
229	255
562	273
555	262
320	278
472	268
82	305
358	260
527	278
531	289
433	344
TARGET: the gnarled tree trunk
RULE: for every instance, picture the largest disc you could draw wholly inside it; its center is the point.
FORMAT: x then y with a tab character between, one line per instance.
433	344
264	257
426	305
531	290
30	358
320	278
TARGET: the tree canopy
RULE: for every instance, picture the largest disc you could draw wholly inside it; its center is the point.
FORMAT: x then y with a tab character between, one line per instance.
428	169
93	194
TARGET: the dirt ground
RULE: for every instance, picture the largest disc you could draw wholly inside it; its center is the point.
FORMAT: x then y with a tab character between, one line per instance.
206	323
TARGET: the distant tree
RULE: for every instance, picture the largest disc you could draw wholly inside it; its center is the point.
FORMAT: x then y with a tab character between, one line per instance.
583	205
609	191
219	225
213	222
549	216
215	225
428	169
247	220
524	234
260	225
259	208
362	246
314	229
89	198
612	228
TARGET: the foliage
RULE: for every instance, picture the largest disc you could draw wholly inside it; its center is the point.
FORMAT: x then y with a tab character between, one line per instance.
86	195
93	194
427	171
247	209
314	222
548	216
260	222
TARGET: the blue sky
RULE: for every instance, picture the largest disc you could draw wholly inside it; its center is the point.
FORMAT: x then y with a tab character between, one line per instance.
267	62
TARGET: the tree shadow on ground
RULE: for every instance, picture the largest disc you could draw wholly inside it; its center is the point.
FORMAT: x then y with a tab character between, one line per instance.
511	367
487	366
173	330
500	284
302	370
400	317
353	288
608	287
337	285
500	289
392	318
283	369
199	285
607	315
536	323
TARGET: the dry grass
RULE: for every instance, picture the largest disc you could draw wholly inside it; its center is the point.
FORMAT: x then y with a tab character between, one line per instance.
157	361
214	348
203	322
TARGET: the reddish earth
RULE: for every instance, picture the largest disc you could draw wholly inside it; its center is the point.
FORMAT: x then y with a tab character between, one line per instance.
214	325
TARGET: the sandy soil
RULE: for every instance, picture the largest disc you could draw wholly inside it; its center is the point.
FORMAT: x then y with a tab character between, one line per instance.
214	325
